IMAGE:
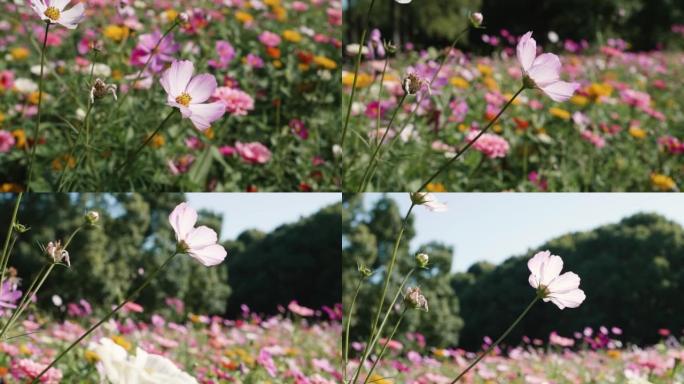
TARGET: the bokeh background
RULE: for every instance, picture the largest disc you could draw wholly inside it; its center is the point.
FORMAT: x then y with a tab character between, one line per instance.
628	250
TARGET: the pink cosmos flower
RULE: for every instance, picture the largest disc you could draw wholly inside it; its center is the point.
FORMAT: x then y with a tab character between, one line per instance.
53	12
6	141
189	94
254	61
594	138
6	80
199	243
226	54
146	48
562	290
543	71
269	39
253	153
300	310
237	102
26	369
491	145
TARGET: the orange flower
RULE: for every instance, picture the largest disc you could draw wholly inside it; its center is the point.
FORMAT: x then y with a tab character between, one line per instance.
274	52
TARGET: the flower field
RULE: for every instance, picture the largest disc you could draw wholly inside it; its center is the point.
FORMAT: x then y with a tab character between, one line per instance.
591	356
258	115
622	130
297	346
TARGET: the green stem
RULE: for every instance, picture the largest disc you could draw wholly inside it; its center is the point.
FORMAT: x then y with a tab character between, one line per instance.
366	175
356	72
133	156
348	326
382	80
36	133
26	300
104	319
60	183
496	343
470	143
5	248
384	347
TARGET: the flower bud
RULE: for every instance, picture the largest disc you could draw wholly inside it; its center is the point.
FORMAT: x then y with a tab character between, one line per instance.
92	217
422	259
415	298
390	47
365	271
476	19
183	18
21	228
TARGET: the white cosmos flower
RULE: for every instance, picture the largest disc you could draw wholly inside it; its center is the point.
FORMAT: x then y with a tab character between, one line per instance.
562	290
428	200
53	12
23	85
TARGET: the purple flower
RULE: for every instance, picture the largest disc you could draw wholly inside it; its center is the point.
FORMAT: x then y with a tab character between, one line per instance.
226	54
163	54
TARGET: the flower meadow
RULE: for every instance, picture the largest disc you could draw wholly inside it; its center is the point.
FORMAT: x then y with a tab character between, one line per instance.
221	95
565	116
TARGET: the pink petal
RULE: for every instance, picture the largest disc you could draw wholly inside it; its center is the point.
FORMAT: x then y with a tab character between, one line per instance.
59	4
201	237
545	69
571	299
526	50
201	87
564	283
39	7
550	270
560	90
204	114
177	77
73	16
183	219
209	256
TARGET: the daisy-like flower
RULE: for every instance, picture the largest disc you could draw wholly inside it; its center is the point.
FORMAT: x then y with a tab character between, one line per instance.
189	94
543	71
52	11
562	290
199	243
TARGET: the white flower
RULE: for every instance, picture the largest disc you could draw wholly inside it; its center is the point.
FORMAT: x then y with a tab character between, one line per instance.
429	201
53	12
562	290
23	85
57	301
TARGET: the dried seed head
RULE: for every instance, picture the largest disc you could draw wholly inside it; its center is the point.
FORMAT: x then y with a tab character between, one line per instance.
58	253
415	298
412	84
100	89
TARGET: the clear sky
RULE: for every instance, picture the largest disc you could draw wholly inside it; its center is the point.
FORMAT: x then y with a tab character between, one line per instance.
264	211
495	226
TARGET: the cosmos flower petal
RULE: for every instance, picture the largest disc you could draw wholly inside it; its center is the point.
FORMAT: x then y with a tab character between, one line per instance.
526	50
60	4
564	283
209	256
183	219
570	299
550	270
204	114
201	87
200	237
560	90
39	7
72	17
545	69
179	75
535	265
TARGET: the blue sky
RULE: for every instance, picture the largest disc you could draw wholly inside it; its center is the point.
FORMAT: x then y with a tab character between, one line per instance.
264	211
495	226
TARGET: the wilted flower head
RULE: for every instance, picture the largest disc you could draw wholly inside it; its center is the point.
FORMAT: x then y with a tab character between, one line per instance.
429	201
58	253
52	11
100	89
543	71
412	84
199	243
562	290
415	298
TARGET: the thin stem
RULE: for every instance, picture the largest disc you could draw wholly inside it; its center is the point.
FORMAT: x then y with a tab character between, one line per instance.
366	174
26	300
60	183
346	333
40	101
496	343
375	335
5	248
382	80
104	319
356	72
132	157
384	347
470	143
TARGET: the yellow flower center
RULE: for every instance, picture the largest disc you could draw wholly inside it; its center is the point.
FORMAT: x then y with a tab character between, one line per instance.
184	99
52	13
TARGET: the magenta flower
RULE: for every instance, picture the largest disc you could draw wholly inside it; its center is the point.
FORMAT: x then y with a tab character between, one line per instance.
543	71
9	295
6	141
269	39
199	243
490	144
562	290
237	102
253	153
226	54
52	11
146	48
189	94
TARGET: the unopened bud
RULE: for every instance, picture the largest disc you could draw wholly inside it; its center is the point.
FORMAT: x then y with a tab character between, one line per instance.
476	19
422	259
365	271
92	217
21	228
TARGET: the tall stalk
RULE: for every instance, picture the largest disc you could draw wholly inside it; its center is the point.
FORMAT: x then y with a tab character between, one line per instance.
345	361
384	346
6	247
131	158
36	132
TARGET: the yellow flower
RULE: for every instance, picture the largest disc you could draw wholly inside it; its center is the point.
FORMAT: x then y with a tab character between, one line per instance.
597	90
559	113
303	67
637	132
23	349
292	36
497	128
362	80
377	379
278	64
272	3
117	74
91	357
490	83
33	97
19	138
157	141
125	344
280	13
439	352
663	182
209	133
324	62
435	187
579	100
2	117
459	82
59	163
485	70
244	17
613	353
19	53
170	15
11	187
462	127
515	101
115	32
